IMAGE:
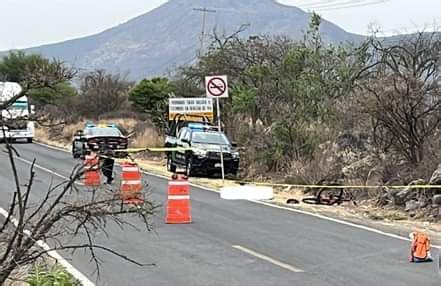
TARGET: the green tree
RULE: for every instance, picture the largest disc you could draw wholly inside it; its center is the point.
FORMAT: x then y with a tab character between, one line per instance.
22	68
48	95
187	88
14	66
151	96
281	88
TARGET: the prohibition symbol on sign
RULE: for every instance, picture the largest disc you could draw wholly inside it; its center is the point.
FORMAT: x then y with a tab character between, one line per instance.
216	86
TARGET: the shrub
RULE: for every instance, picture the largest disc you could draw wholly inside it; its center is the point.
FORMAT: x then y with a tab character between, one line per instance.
151	96
42	275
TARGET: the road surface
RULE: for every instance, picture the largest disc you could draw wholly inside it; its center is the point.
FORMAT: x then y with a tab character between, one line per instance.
232	242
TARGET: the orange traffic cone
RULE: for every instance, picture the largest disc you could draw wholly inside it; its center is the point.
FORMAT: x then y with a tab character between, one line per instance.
178	203
91	175
131	184
420	247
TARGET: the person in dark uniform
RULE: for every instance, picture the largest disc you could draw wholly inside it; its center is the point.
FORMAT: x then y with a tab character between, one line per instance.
107	169
107	166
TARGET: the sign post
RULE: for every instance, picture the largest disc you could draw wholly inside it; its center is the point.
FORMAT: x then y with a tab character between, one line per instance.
217	87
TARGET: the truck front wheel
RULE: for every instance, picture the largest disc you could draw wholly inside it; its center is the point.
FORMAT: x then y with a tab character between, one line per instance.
29	140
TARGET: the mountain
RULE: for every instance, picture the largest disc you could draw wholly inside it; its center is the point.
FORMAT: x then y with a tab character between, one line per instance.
157	42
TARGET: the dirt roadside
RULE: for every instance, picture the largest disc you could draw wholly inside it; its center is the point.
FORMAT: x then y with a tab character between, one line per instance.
389	220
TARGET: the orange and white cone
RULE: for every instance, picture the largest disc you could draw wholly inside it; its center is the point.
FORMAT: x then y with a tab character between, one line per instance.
178	202
131	184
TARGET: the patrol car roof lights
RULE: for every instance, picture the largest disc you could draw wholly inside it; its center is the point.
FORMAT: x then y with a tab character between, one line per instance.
197	126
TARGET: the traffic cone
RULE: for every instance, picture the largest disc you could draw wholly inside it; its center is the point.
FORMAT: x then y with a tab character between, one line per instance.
131	184
178	202
91	174
420	247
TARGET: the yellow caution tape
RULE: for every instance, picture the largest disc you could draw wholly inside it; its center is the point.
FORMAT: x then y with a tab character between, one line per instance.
158	149
165	149
172	149
139	150
344	187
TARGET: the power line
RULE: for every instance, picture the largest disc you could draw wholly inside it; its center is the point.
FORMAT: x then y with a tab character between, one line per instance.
321	2
429	27
204	11
355	5
337	5
331	3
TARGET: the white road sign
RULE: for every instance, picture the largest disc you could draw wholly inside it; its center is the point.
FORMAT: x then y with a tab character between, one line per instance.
193	106
216	86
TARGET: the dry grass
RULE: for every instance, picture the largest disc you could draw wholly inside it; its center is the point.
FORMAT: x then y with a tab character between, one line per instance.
148	137
61	136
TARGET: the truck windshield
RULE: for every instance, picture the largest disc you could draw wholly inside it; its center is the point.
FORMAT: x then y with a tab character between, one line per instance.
100	131
210	138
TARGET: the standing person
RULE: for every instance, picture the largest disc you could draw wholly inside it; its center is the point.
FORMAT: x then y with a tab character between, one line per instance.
107	167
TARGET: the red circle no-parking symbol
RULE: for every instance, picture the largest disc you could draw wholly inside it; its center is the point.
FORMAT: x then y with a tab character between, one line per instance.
216	86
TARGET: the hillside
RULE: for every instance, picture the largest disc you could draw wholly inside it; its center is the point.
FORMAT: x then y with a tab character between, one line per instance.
158	41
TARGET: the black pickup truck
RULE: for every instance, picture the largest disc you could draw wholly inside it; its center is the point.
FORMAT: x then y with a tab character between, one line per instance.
181	121
205	156
106	138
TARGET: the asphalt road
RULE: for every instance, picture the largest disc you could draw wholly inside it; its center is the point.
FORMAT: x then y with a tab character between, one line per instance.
232	242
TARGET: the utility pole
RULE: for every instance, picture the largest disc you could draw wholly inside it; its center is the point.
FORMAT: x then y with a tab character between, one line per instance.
204	11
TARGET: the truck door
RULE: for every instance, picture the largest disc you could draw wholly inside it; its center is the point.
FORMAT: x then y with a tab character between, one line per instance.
184	142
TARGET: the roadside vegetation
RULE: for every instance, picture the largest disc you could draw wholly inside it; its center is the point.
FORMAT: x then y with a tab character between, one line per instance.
305	112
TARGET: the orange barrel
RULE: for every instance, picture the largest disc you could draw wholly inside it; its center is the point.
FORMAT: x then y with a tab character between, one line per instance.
91	174
131	184
178	201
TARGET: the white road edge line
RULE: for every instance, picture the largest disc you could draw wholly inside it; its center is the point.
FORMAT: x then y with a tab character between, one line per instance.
366	228
47	170
42	168
63	262
338	221
51	147
268	259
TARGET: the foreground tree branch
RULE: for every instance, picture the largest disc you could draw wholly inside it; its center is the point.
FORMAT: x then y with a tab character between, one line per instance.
63	213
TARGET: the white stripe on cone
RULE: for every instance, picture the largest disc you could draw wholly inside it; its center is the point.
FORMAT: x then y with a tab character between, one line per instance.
178	197
131	182
130	169
178	183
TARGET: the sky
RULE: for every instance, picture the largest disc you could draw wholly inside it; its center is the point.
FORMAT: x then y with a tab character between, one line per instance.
27	23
